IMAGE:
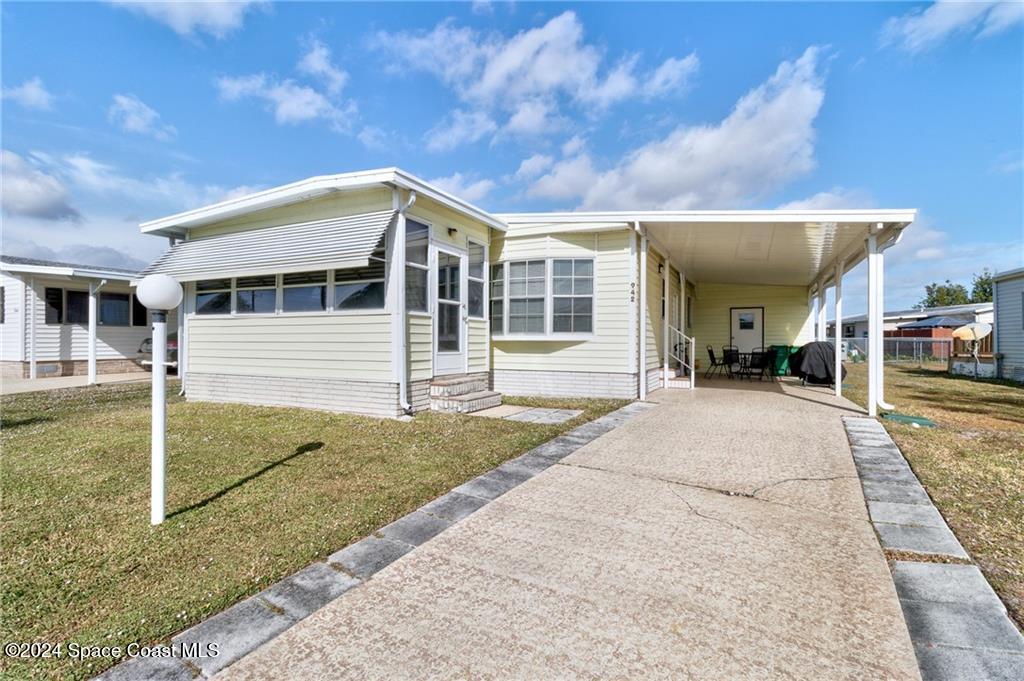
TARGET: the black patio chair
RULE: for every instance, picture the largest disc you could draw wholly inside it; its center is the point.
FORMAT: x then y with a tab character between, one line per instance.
768	363
730	359
753	365
716	364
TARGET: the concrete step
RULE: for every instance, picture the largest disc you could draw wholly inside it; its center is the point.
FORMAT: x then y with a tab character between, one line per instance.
450	386
466	403
676	382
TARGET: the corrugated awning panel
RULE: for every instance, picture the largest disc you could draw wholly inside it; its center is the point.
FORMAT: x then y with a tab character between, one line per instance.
334	243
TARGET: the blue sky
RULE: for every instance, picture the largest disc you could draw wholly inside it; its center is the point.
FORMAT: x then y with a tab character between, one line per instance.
116	113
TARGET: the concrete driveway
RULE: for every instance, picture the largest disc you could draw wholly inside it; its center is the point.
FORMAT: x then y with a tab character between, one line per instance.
15	386
721	535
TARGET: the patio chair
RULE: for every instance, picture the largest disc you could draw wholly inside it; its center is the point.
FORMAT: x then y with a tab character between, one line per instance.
715	364
730	359
754	365
768	363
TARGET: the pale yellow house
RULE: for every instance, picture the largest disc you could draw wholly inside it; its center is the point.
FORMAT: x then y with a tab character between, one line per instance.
378	293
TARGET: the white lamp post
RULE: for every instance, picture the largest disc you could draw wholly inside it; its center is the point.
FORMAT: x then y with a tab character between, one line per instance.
159	293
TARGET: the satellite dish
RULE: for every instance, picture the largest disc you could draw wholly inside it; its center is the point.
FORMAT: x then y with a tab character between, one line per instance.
972	332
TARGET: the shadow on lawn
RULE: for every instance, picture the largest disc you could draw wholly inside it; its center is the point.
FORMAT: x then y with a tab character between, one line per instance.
299	451
27	421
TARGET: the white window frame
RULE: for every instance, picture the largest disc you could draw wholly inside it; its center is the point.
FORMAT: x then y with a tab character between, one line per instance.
429	267
235	289
571	296
231	302
485	281
332	279
549	334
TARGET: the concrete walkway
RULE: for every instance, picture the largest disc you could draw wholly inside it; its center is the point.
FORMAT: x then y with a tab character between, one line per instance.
14	386
722	534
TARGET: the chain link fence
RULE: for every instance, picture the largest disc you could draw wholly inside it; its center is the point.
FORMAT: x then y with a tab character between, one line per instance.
900	350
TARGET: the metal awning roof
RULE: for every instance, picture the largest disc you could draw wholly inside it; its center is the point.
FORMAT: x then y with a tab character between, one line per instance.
335	243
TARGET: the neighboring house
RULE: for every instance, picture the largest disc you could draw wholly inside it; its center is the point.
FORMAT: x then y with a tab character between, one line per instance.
856	326
1008	329
375	292
56	338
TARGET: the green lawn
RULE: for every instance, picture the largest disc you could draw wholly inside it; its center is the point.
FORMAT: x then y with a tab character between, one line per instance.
254	494
972	464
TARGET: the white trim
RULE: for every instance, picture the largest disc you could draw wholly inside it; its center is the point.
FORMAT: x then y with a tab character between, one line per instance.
633	296
898	215
434	304
666	297
839	331
60	271
312	187
642	360
486	280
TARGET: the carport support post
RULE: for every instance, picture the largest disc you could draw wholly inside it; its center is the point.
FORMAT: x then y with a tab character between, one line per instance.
874	324
822	333
664	322
32	327
839	327
92	332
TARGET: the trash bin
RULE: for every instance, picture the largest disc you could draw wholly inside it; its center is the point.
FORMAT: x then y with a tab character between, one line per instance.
782	355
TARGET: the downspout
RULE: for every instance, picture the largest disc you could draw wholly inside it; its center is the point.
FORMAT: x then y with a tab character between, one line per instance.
400	312
642	355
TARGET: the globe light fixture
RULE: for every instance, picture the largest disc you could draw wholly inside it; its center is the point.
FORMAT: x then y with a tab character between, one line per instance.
159	293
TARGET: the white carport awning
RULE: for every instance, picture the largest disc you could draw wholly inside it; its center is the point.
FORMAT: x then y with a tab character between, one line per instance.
335	243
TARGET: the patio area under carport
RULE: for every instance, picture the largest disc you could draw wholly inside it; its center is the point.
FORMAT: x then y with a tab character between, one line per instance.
758	253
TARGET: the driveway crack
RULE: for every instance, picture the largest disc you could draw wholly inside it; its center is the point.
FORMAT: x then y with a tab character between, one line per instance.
785	480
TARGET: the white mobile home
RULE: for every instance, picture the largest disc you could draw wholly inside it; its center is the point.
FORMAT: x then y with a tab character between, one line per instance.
1008	327
375	292
63	319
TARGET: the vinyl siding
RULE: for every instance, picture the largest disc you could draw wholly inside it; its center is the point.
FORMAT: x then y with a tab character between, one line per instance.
336	346
71	341
654	335
321	208
608	350
12	347
440	218
420	348
479	346
1009	322
785	314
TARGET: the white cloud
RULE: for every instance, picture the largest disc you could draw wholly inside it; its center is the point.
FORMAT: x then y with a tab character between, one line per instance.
290	102
568	179
533	117
459	127
765	142
317	62
31	94
920	30
533	166
131	114
373	137
31	192
573	145
837	198
464	187
525	81
673	76
213	17
482	7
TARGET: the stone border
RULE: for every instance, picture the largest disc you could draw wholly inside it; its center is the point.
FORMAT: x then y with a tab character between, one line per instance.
249	624
957	624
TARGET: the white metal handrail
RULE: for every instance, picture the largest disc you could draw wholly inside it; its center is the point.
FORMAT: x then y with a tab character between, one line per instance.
683	349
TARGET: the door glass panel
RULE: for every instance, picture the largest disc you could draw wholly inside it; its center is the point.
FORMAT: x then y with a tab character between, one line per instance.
448	327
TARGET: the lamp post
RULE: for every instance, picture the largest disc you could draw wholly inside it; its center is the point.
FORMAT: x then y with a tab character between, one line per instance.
159	293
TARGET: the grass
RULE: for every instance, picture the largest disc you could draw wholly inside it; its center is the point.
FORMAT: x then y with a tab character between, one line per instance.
254	494
972	464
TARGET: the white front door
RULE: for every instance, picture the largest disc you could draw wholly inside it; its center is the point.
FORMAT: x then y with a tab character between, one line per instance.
747	328
449	313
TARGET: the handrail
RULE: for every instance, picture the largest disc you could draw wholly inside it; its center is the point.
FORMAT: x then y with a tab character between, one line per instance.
683	349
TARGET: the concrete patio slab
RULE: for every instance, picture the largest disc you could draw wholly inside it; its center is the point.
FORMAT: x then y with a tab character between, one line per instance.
501	411
15	386
643	553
